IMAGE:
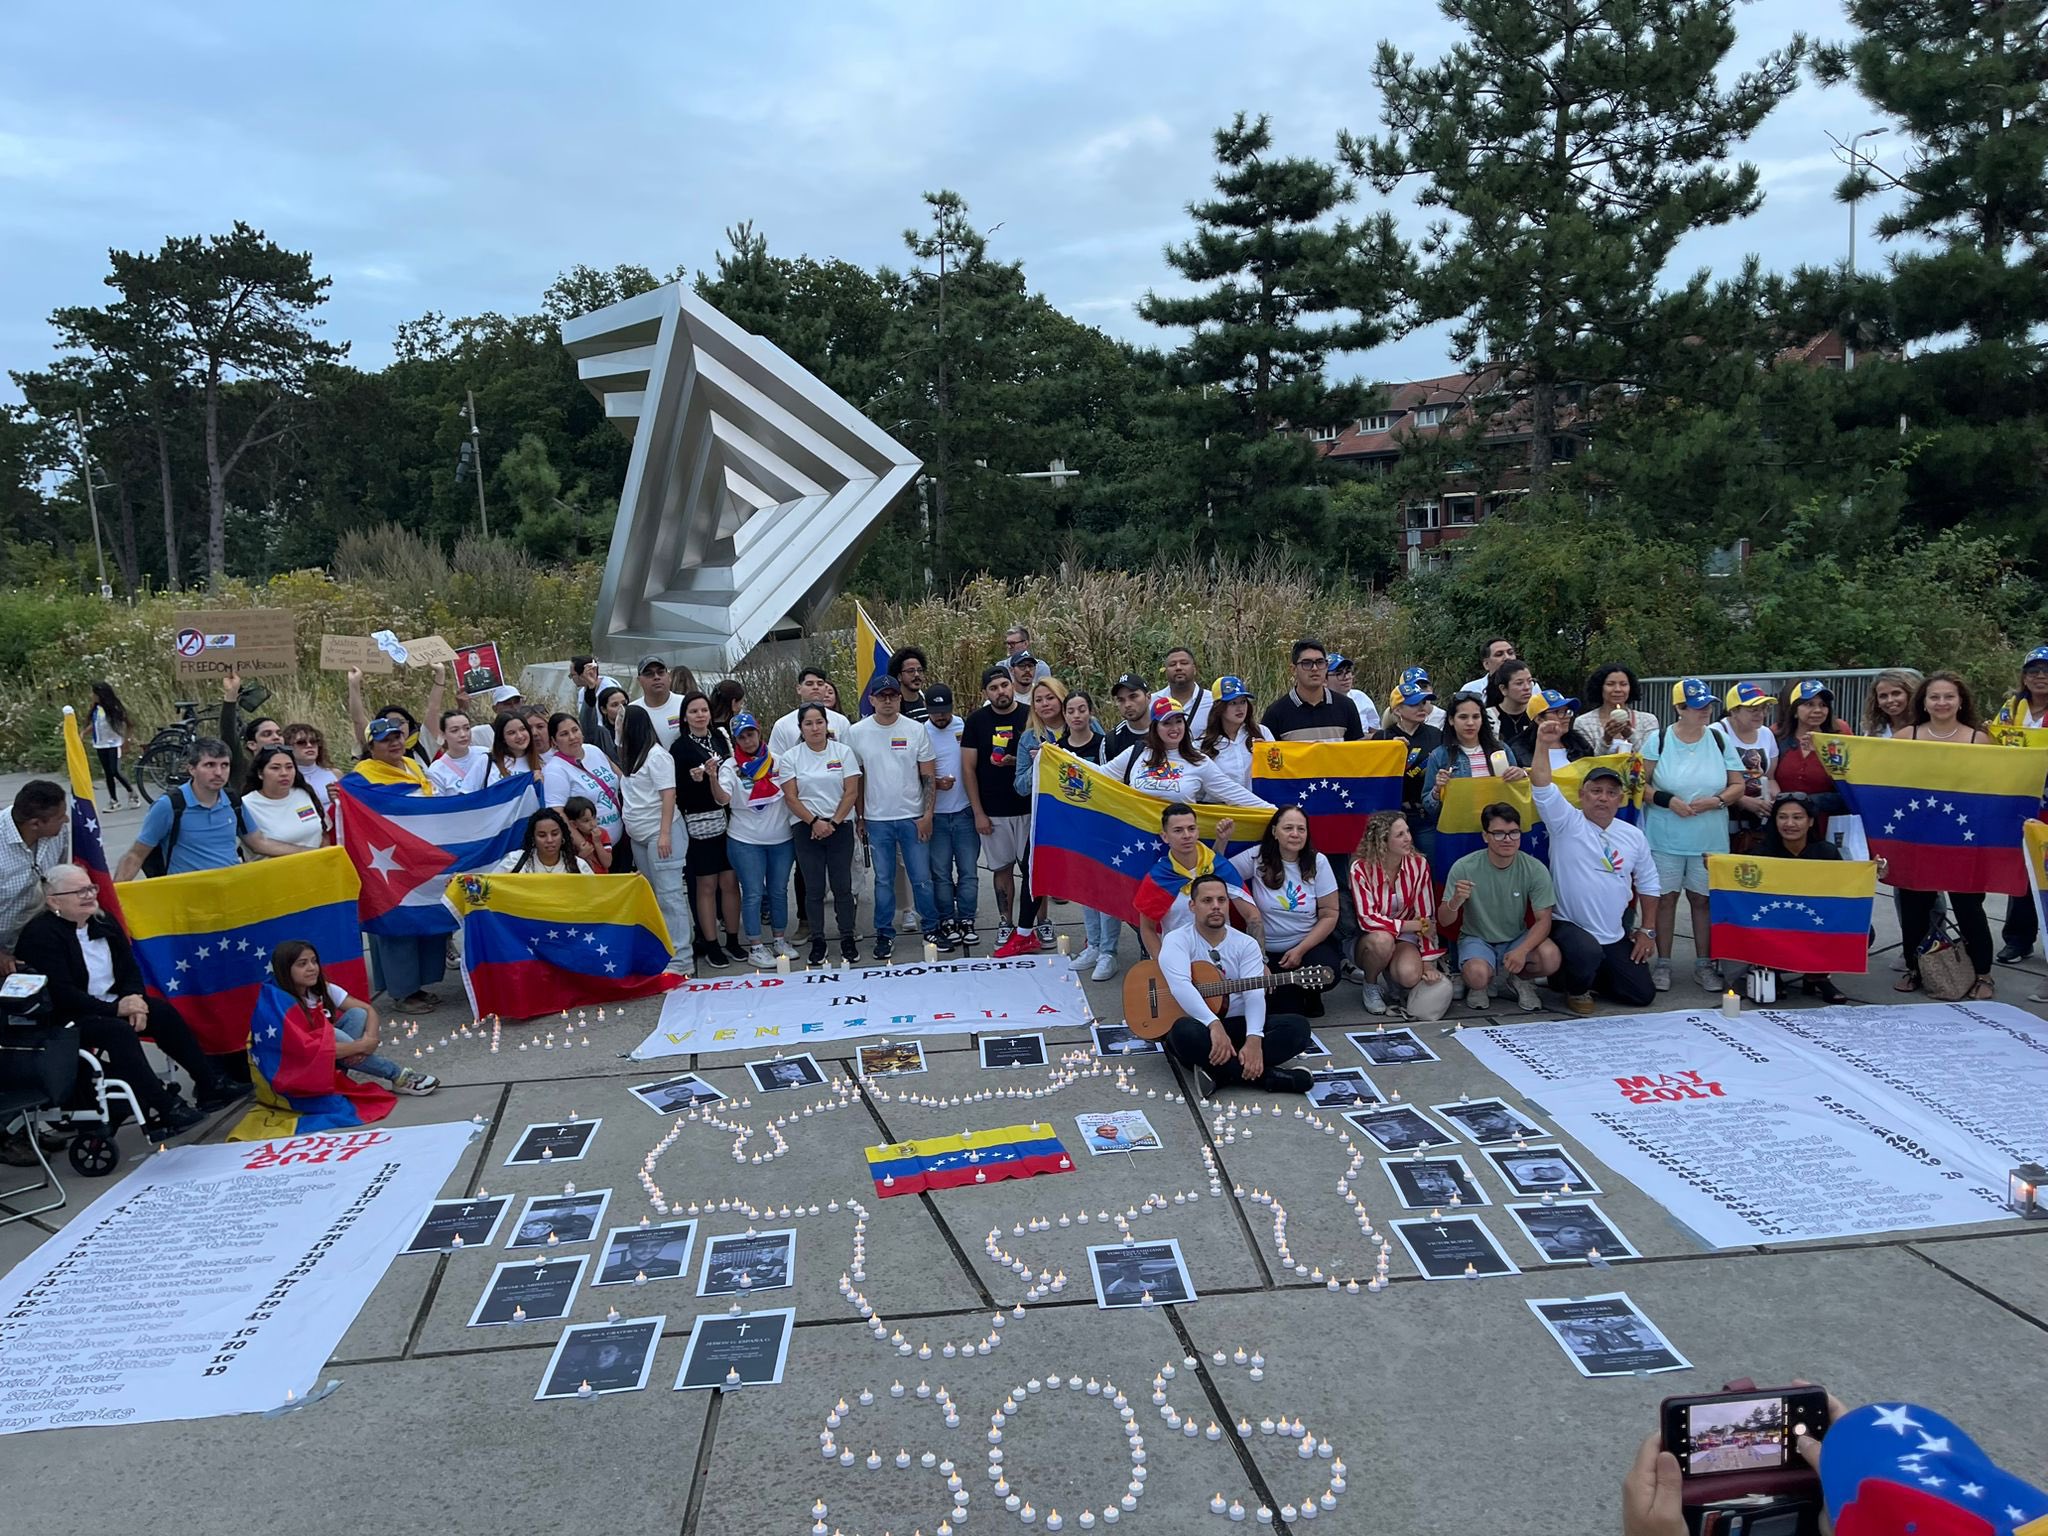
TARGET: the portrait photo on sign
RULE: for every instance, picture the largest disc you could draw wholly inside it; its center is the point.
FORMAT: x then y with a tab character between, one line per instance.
476	1222
1571	1232
1391	1047
1452	1247
1398	1128
1118	1040
601	1357
1488	1122
1140	1274
742	1263
1341	1088
1541	1171
782	1073
555	1141
1606	1335
1433	1183
892	1058
565	1218
1315	1046
634	1255
673	1095
1013	1050
748	1350
1120	1130
538	1290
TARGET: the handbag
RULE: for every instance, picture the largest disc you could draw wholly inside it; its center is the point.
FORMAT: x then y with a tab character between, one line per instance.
1430	998
1847	834
1946	971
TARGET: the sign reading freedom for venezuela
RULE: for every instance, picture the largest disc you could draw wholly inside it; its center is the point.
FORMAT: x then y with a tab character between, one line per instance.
944	997
213	1279
1793	1125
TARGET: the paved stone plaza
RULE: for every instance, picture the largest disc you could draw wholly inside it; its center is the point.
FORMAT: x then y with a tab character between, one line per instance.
1449	1407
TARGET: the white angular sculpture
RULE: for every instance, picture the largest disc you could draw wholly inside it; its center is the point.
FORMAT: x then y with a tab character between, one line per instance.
751	485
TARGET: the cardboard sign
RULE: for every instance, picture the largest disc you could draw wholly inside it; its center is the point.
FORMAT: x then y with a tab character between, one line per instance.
340	652
428	650
477	668
256	642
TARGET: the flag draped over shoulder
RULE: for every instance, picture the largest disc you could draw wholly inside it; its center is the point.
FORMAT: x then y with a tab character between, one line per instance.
1164	882
203	940
535	944
871	654
88	851
1458	831
299	1087
405	846
947	1162
1946	816
1337	784
1095	839
1810	915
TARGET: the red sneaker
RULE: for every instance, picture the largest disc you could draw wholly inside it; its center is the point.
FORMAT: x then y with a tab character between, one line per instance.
1022	942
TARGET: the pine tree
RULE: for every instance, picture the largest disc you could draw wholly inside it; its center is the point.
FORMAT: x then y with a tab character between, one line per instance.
1569	146
1283	288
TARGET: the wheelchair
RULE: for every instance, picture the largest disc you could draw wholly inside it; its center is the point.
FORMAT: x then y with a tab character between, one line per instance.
40	1059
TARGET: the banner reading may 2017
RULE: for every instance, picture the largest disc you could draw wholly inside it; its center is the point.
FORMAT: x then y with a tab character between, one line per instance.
212	1279
943	997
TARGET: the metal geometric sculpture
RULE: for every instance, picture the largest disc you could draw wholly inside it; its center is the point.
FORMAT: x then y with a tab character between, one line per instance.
751	486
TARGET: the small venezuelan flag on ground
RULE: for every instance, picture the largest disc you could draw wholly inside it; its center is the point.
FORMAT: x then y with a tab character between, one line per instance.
1944	816
1808	915
972	1157
1337	784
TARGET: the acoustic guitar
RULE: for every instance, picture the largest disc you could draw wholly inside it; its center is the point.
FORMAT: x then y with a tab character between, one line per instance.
1150	1009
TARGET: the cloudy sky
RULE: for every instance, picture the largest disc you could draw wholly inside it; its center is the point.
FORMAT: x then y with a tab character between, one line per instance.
455	155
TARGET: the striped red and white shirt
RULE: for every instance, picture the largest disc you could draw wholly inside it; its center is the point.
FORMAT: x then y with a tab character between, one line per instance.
1385	899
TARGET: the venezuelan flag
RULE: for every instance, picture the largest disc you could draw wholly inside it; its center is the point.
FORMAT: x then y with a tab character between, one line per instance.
535	944
1337	784
299	1087
88	852
1458	831
871	654
972	1157
203	940
1946	816
2035	842
1094	839
1163	883
1809	915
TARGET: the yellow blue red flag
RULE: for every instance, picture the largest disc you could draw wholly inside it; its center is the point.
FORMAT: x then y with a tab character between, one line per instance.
971	1157
1946	816
88	851
871	654
299	1085
1809	915
1458	830
535	944
1337	784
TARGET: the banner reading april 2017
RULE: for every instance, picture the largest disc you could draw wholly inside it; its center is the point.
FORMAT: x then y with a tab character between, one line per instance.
803	1008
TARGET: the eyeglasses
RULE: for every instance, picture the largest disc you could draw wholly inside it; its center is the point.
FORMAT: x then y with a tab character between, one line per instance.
1312	662
1504	835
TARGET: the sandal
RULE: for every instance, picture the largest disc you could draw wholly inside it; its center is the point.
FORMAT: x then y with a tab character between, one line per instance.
1910	982
421	1002
1984	991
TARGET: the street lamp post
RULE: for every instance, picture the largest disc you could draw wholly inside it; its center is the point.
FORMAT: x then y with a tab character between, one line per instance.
1848	344
476	460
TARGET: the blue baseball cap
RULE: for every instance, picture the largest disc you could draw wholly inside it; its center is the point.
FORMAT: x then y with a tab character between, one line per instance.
883	682
1413	690
744	722
1228	688
1552	699
1338	661
1745	695
1812	688
1691	693
384	727
2037	657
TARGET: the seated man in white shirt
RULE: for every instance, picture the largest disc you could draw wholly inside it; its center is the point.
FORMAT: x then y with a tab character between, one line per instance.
1244	1044
1600	866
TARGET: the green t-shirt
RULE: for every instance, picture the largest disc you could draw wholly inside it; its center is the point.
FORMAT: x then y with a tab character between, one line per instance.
1498	910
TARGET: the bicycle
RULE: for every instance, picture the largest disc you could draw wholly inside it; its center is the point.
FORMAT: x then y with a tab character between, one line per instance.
161	767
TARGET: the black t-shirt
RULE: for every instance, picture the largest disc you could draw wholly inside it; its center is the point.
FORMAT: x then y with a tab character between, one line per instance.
1287	714
994	739
1122	739
1098	750
915	708
693	796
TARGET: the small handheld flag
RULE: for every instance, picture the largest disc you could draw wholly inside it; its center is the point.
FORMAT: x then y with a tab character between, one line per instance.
871	654
88	851
299	1086
1337	784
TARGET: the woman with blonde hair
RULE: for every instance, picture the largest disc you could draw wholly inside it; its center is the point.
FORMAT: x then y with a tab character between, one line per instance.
1396	904
1888	711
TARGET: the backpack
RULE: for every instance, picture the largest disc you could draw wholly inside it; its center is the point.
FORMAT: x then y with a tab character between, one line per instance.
158	862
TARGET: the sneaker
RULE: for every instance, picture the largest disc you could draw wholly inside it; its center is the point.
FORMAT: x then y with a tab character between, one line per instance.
1525	996
761	957
1477	1000
684	966
968	937
817	956
1087	957
1022	941
946	938
2038	995
1105	967
221	1093
849	952
1374	999
932	938
734	949
1660	975
783	948
1582	1005
418	1084
1707	976
1284	1080
712	954
1047	939
885	950
1004	933
2013	954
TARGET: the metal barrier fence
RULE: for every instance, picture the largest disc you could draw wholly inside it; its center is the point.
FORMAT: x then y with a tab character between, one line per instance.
1850	688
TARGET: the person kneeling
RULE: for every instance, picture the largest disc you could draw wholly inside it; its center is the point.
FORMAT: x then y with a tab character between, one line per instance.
1505	899
296	968
1244	1044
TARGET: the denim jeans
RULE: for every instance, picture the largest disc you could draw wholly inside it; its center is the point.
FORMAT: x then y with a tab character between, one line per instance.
666	876
1102	930
954	854
350	1026
886	841
761	867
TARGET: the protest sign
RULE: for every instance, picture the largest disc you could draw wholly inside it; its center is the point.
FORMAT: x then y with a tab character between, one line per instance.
340	652
256	642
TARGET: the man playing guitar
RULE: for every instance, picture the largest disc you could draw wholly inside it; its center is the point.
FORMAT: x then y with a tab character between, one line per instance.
1244	1045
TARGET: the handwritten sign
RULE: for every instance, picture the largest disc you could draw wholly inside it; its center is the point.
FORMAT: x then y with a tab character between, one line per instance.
256	642
340	652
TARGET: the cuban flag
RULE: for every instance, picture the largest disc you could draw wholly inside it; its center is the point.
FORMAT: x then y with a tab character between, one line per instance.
405	846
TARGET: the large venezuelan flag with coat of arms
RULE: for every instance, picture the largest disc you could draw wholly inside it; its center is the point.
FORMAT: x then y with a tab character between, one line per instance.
1458	831
1809	915
535	944
1337	784
1946	816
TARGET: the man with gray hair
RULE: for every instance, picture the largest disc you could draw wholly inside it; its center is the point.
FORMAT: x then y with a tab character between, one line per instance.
197	826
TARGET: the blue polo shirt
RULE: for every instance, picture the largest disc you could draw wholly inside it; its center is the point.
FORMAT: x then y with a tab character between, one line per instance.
206	838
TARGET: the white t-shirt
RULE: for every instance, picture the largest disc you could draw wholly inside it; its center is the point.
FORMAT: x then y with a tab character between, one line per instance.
1289	911
1597	870
787	733
820	776
294	819
1198	708
891	786
1368	712
945	741
643	790
1175	778
560	867
591	777
667	717
1242	960
762	822
1234	755
460	775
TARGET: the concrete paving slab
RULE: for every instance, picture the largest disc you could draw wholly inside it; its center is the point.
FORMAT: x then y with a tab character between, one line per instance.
2013	1267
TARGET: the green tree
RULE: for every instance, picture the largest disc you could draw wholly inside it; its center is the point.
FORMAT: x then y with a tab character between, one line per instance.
1567	146
1282	288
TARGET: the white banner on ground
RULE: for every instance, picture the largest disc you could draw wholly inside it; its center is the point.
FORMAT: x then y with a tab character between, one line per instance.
943	997
213	1279
1787	1126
